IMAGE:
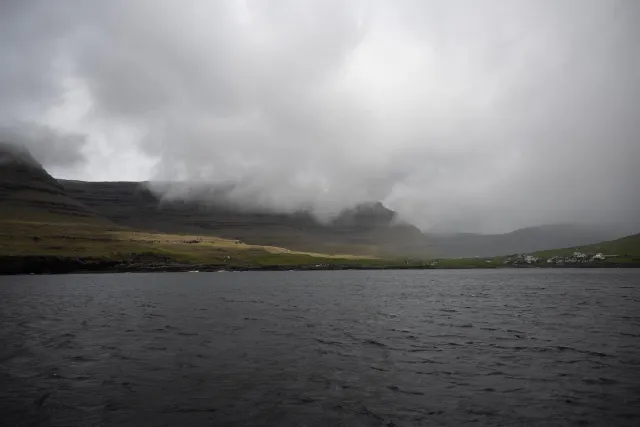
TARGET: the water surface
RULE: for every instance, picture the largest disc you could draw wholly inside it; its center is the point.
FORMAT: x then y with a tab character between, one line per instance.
343	348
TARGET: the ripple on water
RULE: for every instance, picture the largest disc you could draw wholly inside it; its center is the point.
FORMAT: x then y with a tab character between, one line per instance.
449	348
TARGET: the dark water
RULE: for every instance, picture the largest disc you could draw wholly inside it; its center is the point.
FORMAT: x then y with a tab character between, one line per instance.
498	348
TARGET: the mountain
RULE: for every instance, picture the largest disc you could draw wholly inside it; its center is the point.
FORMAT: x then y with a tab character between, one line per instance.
523	240
368	229
28	191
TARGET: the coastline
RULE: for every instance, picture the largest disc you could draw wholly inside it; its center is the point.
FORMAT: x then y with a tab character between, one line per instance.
44	265
41	265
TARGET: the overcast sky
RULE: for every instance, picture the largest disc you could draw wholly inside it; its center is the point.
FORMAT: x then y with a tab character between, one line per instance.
461	115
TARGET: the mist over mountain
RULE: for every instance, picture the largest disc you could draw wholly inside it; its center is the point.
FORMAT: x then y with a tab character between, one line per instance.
472	116
29	193
367	229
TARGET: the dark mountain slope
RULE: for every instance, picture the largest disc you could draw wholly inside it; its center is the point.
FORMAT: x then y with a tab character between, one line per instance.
27	191
367	229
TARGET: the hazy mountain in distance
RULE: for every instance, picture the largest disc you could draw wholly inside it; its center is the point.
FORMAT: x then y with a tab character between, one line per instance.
523	240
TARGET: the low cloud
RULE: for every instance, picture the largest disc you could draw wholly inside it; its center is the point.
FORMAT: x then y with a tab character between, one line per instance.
463	116
54	149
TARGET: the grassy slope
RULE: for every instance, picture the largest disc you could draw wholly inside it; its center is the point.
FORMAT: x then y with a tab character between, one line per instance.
93	237
627	250
629	246
82	237
36	233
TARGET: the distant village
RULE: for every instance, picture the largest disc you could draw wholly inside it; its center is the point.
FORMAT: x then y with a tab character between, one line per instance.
524	260
576	258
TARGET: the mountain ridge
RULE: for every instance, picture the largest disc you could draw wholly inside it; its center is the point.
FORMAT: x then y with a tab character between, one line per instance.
27	190
370	230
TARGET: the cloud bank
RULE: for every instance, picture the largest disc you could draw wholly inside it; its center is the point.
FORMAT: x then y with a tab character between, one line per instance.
461	115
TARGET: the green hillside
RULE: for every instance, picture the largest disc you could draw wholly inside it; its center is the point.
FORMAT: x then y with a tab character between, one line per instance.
624	250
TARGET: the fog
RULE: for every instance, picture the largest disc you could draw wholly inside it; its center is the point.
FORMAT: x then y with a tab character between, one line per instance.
479	116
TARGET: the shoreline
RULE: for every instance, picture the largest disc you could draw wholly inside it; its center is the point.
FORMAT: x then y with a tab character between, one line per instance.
48	265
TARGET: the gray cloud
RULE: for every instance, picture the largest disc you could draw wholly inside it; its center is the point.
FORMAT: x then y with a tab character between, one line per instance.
462	115
33	40
54	149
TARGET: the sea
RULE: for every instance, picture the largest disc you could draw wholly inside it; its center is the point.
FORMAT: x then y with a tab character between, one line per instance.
507	347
